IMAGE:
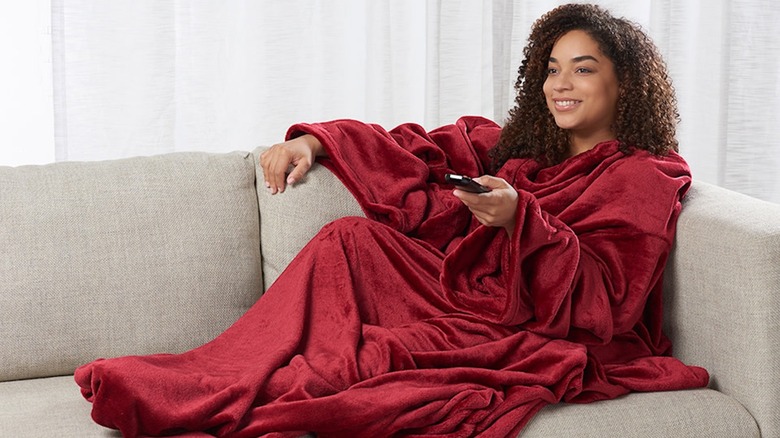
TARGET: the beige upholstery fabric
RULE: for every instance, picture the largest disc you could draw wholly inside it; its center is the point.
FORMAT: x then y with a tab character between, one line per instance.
50	407
723	297
59	410
701	413
131	256
290	219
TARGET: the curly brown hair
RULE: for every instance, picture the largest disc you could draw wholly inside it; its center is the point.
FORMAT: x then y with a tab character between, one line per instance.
646	109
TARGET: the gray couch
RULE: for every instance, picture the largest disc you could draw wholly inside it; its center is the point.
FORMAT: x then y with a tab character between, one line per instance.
161	254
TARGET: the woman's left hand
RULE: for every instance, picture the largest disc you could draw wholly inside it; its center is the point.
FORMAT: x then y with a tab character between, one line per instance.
496	208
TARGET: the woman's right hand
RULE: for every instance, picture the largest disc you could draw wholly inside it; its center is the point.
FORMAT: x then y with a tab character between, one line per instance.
300	152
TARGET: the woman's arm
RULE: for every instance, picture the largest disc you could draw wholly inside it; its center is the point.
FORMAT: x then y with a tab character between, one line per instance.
397	176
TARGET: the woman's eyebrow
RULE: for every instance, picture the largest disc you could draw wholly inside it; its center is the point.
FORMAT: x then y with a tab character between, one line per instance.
577	59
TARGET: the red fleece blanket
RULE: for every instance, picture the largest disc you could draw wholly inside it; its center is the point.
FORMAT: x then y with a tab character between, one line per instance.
420	321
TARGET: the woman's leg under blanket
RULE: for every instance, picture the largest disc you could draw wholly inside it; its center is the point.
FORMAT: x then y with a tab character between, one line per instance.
353	272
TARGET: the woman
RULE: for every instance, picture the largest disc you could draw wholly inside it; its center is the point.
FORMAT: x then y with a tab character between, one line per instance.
448	312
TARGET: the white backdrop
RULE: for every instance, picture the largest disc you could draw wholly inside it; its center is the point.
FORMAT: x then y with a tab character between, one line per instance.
26	116
140	77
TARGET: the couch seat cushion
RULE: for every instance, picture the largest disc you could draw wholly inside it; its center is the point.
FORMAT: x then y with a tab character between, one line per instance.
697	413
53	407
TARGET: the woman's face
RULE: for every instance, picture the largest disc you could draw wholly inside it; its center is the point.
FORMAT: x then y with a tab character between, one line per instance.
581	90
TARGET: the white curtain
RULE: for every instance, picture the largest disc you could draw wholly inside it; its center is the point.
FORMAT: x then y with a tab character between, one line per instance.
724	57
141	77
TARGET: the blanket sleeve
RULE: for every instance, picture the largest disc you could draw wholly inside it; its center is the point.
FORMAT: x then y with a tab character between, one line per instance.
585	274
398	176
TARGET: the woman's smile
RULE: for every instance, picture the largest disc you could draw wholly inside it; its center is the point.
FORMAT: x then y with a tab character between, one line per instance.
566	104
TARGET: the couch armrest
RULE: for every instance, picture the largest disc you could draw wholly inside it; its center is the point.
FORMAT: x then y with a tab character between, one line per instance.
723	296
289	220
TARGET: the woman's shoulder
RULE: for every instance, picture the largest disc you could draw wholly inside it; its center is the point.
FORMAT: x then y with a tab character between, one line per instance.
641	161
606	161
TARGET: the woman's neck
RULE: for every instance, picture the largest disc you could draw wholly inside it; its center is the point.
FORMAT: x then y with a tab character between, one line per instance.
580	144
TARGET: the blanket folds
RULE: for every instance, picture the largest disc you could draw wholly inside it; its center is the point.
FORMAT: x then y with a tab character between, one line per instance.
419	321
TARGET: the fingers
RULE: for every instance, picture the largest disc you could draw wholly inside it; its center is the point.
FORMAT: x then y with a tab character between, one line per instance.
299	151
298	172
275	162
493	182
495	208
483	206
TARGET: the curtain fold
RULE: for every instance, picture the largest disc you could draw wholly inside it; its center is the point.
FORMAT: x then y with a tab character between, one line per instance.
142	77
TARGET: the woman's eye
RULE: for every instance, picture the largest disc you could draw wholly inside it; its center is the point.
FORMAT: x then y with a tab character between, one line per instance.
583	70
551	71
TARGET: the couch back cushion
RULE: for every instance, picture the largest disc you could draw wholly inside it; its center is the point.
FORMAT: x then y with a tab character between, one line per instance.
722	296
131	256
290	219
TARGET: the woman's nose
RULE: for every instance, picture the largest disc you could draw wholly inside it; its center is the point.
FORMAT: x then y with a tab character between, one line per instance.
562	82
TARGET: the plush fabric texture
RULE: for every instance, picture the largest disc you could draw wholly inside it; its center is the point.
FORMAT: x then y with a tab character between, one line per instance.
419	321
123	257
